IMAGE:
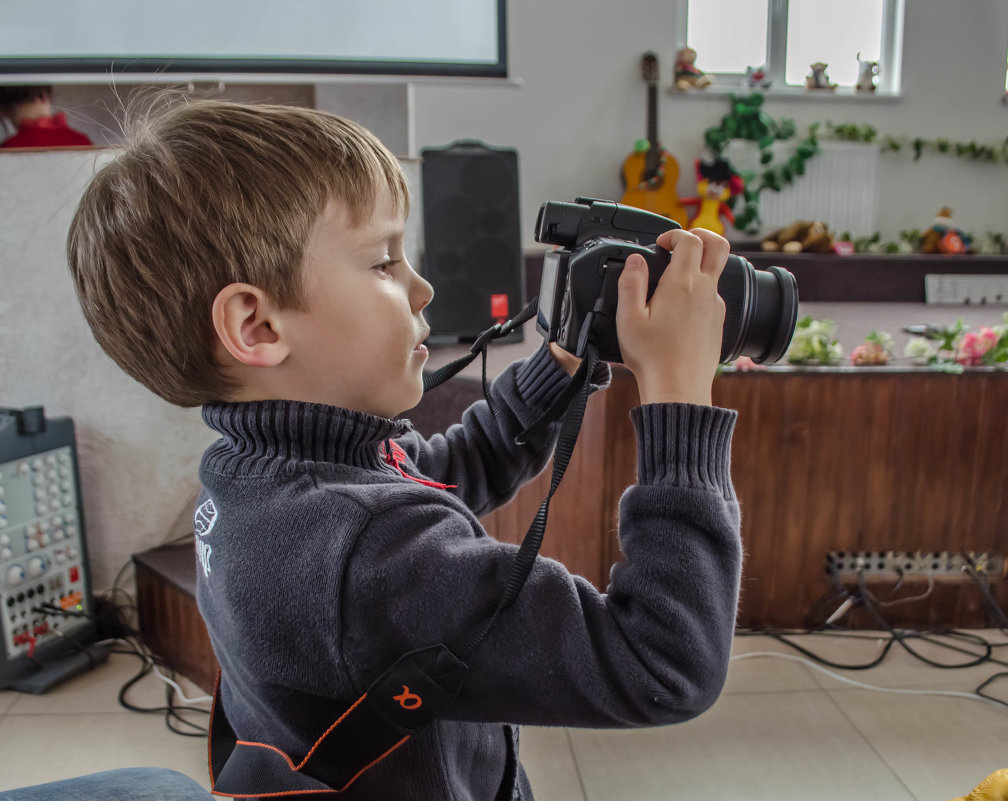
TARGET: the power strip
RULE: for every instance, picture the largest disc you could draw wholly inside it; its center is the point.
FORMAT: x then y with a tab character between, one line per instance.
966	290
944	564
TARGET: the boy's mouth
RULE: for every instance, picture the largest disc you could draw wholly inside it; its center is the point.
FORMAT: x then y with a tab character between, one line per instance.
421	347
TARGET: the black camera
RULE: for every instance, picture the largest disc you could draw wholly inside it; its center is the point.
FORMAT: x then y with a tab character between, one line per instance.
578	294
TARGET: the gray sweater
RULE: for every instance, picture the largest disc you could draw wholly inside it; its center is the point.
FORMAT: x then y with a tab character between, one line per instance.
321	562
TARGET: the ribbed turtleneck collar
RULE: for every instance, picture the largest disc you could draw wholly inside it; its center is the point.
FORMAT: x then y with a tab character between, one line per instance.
260	436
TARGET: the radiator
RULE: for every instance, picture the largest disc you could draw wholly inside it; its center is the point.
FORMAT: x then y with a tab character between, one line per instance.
840	186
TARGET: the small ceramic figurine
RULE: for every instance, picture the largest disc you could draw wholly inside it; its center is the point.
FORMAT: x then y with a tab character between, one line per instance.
867	75
687	74
818	79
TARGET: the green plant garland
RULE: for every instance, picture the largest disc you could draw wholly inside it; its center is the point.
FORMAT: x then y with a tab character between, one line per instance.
747	120
973	150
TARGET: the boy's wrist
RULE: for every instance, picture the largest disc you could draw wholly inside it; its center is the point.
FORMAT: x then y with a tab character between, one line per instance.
568	361
666	389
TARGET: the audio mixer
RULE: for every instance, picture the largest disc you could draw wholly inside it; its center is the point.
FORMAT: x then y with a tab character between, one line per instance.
45	600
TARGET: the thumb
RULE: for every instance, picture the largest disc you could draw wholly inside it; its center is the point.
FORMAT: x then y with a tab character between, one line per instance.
633	284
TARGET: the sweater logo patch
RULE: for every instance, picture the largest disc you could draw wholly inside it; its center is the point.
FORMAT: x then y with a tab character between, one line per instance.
203	523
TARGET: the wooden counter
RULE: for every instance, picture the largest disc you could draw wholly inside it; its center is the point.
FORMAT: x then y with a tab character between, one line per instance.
843	459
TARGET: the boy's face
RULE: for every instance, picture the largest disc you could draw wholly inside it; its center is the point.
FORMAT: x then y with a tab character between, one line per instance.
358	343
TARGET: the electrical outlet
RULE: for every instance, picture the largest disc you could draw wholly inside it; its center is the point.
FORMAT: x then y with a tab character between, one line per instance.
945	564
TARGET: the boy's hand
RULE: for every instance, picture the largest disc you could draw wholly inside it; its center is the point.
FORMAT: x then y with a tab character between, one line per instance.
672	343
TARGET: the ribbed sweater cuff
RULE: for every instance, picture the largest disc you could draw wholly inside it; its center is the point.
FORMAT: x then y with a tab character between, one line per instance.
540	379
684	444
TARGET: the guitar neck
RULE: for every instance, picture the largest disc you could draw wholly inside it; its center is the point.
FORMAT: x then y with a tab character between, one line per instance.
652	160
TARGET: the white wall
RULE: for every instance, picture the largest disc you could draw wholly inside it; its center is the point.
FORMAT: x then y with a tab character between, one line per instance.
581	105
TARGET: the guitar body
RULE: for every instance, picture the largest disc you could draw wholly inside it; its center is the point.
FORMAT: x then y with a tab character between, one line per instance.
649	173
661	198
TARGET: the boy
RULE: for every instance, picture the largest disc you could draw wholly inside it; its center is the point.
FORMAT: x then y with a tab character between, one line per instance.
250	259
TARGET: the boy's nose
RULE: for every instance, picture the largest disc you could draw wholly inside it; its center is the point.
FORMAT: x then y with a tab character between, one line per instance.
422	291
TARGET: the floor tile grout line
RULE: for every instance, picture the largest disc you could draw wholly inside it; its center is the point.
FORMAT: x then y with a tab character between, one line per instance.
577	764
871	745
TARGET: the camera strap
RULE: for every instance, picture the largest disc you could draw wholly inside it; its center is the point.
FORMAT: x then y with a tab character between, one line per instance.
437	377
412	693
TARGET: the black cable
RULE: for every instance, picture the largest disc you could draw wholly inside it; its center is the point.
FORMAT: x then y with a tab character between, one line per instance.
994	610
980	690
902	637
172	711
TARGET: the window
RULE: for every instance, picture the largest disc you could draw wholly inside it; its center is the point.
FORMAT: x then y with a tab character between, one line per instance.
786	36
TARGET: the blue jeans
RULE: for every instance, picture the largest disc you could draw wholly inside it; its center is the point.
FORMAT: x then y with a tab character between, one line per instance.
128	784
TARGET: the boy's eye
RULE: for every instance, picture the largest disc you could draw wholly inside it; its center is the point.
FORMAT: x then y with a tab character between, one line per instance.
384	266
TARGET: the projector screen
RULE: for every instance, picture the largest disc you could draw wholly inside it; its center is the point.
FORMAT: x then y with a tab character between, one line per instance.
383	37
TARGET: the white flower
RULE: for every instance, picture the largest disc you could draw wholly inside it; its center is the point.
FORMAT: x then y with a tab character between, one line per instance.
920	349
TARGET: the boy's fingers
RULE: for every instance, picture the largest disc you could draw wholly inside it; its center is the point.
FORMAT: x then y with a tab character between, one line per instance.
633	284
686	253
711	249
716	250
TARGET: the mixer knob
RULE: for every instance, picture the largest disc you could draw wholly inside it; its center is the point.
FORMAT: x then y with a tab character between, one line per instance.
15	575
37	565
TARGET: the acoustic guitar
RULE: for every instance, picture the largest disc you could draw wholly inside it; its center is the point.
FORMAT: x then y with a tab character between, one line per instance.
649	173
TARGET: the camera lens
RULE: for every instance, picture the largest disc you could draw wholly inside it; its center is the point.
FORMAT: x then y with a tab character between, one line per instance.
761	311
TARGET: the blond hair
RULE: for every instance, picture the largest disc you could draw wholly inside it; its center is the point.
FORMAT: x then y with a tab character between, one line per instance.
202	195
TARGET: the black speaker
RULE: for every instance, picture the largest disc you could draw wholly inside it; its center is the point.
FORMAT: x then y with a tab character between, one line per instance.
472	239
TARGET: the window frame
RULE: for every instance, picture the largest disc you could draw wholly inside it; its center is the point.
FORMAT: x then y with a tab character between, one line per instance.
890	57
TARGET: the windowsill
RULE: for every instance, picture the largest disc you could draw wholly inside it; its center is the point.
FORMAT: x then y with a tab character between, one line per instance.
843	93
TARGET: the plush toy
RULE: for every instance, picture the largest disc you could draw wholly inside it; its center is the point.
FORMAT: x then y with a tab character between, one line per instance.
944	237
867	75
802	236
716	182
818	79
687	74
993	788
756	78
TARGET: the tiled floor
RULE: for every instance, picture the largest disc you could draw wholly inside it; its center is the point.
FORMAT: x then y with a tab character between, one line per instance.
781	730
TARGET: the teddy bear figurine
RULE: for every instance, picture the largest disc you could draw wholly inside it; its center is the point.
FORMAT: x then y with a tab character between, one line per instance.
687	75
818	79
802	236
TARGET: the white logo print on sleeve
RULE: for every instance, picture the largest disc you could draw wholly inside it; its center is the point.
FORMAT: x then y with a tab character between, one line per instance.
203	523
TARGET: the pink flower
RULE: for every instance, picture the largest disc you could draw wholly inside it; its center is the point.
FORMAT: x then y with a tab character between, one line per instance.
972	347
869	353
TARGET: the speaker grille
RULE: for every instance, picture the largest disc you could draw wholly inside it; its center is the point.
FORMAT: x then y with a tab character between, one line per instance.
472	238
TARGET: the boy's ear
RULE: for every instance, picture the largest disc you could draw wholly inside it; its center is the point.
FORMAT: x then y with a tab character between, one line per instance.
246	322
